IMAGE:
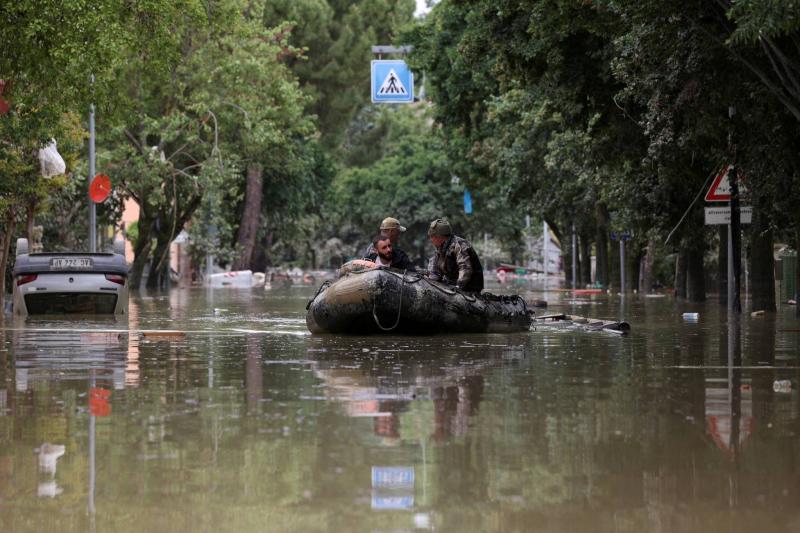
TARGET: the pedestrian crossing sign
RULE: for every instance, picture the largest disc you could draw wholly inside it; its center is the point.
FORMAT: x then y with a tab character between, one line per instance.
392	82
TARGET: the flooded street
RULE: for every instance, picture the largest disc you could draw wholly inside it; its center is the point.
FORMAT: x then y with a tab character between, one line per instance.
238	419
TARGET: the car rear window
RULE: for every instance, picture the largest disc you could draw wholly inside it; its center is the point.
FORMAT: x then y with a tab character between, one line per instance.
70	303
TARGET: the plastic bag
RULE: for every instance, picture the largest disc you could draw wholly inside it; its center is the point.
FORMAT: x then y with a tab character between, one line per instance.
51	162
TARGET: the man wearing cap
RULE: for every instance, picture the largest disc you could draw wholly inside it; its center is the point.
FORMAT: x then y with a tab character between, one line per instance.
386	257
456	262
391	228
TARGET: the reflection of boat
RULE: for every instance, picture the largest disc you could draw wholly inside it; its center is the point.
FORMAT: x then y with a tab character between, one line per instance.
378	300
444	380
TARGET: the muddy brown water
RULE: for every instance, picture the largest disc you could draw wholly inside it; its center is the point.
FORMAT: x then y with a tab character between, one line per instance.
242	421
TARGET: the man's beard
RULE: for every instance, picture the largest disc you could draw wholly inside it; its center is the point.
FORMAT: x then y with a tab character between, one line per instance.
387	258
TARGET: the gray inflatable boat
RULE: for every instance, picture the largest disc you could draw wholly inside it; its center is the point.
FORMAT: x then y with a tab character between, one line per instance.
386	300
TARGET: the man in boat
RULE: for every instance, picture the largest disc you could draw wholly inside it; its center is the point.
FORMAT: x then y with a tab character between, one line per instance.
385	256
456	262
391	228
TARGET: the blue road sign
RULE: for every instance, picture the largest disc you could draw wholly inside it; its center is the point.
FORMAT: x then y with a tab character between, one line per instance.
392	477
392	82
467	202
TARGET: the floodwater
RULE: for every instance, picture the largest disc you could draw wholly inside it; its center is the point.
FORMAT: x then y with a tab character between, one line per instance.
245	422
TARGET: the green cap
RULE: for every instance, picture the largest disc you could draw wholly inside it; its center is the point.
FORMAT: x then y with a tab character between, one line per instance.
440	227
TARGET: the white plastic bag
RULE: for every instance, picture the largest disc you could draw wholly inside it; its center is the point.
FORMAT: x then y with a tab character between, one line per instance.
51	162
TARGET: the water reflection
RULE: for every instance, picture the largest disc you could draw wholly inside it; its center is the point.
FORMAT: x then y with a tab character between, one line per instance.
245	423
382	385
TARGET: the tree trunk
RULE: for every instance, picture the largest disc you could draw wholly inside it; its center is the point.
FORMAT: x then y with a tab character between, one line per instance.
30	220
634	279
10	225
603	262
695	273
312	254
680	274
141	250
260	257
586	260
159	267
566	257
646	268
762	263
158	277
251	217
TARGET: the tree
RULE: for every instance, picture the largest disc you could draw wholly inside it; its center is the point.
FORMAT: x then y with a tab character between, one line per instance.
51	52
228	110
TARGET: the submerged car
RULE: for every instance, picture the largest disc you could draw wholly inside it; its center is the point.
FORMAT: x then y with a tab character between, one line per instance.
65	283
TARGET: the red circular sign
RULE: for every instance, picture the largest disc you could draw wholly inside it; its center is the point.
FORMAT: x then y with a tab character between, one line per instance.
100	188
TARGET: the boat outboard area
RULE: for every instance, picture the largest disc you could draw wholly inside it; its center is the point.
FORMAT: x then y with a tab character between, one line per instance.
387	300
70	283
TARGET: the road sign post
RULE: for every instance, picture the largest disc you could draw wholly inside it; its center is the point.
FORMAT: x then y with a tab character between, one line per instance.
92	208
735	257
725	188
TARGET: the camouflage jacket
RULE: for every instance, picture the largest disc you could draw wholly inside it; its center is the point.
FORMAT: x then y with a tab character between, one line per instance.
457	263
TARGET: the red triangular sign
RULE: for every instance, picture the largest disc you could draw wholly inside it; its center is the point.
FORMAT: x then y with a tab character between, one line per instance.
720	190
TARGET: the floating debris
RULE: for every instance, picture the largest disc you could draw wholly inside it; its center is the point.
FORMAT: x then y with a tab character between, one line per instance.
563	320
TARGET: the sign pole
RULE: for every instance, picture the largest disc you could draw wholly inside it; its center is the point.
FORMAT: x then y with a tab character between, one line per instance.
734	227
92	208
735	250
622	264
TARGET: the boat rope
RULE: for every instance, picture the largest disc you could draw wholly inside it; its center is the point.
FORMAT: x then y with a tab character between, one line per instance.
399	308
322	287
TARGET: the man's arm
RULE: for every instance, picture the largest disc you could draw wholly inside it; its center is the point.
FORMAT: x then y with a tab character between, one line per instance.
433	269
464	266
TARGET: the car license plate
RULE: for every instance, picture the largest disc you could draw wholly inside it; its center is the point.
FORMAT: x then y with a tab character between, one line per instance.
70	263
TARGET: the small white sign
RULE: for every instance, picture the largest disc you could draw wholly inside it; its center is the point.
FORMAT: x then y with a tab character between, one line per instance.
392	82
722	215
392	85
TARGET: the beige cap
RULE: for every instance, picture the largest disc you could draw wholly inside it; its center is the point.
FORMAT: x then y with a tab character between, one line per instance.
391	223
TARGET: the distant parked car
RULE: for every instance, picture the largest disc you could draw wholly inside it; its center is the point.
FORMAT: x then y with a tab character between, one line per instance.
70	282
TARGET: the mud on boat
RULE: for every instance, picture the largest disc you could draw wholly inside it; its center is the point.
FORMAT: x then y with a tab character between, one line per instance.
385	300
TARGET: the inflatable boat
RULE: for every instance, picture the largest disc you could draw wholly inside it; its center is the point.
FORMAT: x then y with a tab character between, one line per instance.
386	300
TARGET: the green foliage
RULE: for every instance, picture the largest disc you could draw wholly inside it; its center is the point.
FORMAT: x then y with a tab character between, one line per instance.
400	169
336	37
610	115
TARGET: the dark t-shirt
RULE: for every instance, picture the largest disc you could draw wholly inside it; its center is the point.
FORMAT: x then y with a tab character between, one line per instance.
400	259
